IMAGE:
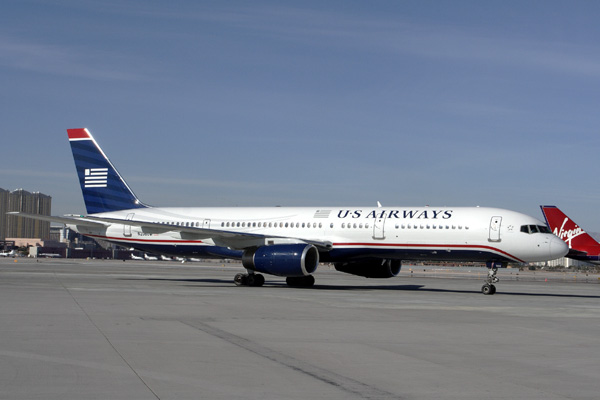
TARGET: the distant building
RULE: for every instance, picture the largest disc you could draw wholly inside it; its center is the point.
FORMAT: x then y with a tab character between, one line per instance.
24	201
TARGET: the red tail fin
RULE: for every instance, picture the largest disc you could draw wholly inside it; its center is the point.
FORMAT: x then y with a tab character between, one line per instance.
563	227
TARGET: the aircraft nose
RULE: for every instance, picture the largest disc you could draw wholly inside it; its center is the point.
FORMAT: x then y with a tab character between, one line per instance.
558	248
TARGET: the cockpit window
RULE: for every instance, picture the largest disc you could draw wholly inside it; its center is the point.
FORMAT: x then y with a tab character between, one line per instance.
535	229
544	229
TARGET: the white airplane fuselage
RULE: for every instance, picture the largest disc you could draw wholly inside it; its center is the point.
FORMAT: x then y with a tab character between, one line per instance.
405	233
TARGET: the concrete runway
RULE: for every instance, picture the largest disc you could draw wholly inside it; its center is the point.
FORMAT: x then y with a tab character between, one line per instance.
78	329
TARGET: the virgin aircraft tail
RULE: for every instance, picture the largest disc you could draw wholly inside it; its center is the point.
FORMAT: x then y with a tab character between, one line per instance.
103	188
582	245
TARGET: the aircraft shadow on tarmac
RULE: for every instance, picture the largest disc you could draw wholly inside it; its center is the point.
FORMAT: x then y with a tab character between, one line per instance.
229	283
420	288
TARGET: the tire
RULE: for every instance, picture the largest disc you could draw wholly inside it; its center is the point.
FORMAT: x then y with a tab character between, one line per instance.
259	280
238	279
488	289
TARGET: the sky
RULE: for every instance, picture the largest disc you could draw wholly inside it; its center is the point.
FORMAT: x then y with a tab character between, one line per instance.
308	103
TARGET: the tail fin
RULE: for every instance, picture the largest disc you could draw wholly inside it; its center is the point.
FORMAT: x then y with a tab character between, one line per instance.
563	227
103	187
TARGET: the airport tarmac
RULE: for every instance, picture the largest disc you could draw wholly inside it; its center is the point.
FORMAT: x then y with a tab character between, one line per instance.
93	329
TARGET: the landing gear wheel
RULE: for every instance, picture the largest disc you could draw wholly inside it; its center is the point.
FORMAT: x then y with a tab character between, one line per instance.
259	280
249	279
488	289
300	281
238	279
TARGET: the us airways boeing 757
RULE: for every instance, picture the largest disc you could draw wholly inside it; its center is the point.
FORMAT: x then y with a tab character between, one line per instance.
290	242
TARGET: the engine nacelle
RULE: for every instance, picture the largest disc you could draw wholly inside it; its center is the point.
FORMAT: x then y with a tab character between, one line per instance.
373	268
288	260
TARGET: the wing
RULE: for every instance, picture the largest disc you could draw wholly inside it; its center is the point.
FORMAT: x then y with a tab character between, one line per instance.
226	238
232	239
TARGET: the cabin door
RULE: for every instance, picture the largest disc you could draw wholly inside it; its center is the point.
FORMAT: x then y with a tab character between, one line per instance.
127	228
379	228
495	223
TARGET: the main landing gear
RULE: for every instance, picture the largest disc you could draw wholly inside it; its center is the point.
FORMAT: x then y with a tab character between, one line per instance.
259	280
249	279
488	287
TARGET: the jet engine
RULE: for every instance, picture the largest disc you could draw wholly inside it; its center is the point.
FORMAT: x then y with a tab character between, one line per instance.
372	268
290	260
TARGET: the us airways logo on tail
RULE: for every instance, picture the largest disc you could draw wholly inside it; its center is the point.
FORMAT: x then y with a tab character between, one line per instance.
96	177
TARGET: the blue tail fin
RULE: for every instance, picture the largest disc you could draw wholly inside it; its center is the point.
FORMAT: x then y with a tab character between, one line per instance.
103	188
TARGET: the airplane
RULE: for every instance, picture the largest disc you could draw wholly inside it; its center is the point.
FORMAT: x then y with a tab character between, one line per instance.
582	246
7	253
138	258
50	255
150	258
290	242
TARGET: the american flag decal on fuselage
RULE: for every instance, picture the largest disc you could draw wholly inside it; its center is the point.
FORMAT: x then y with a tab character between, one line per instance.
96	177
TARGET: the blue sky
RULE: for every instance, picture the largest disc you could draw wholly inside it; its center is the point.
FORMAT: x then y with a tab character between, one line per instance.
205	103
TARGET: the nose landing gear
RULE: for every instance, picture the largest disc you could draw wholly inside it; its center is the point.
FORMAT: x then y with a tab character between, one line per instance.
488	287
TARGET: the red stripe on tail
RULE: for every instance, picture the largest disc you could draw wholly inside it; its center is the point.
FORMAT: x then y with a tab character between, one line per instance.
79	133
